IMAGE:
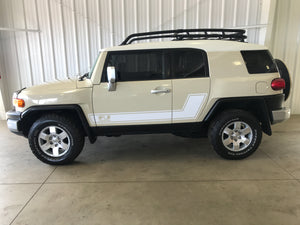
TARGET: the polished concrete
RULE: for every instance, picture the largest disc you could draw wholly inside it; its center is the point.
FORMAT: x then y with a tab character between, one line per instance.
153	179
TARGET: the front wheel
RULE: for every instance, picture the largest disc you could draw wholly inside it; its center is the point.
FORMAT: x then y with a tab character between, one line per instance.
235	134
55	139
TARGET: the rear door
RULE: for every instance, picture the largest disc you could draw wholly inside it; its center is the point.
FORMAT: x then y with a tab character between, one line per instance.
191	84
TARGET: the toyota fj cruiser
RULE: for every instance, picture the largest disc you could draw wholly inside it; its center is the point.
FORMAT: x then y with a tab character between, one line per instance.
202	82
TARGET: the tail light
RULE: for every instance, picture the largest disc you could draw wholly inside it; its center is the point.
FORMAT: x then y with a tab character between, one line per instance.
18	102
278	84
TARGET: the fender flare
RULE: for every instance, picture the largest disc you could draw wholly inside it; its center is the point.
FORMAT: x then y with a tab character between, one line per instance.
76	108
255	105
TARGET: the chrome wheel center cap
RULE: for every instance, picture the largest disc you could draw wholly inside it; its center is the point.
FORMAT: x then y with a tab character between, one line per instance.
236	135
54	140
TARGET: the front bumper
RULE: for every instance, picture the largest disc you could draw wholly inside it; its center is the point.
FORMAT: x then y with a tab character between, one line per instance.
281	115
14	122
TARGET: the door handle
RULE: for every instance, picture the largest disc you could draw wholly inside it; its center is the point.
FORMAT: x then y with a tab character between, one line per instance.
160	91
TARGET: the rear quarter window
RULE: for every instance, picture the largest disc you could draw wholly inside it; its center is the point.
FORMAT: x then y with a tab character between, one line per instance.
259	61
188	63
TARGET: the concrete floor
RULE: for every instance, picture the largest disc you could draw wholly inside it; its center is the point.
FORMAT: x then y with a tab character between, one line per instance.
153	179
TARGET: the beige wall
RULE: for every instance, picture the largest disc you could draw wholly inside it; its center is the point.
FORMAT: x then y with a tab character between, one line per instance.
2	109
283	39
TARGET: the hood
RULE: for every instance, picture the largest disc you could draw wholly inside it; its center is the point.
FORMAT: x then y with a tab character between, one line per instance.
51	87
57	93
48	93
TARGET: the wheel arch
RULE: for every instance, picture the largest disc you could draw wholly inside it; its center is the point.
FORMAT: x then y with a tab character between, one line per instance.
29	116
255	105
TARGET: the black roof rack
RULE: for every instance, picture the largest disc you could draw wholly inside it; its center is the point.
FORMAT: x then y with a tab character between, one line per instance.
189	34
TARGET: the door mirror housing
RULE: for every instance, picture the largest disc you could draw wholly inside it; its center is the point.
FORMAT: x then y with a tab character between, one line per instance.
111	78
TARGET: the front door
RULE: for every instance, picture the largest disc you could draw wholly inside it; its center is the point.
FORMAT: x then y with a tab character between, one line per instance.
143	93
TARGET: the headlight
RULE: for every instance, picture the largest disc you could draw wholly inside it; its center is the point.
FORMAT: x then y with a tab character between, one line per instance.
17	102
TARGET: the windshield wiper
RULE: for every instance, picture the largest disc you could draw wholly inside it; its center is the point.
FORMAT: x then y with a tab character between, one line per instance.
83	76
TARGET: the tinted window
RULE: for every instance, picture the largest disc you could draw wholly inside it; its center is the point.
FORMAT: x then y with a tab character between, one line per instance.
259	61
189	63
137	65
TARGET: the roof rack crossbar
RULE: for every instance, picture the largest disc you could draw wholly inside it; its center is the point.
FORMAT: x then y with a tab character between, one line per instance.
189	34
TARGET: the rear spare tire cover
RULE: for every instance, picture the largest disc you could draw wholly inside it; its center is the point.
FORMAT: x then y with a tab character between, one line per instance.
284	74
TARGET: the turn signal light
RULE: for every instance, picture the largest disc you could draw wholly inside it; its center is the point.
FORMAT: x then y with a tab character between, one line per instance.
19	102
278	84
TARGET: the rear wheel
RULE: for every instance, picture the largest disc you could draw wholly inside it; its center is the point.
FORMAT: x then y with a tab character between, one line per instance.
235	134
55	139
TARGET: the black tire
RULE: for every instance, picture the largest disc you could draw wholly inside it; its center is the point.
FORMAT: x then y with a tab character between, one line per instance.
284	74
74	139
228	119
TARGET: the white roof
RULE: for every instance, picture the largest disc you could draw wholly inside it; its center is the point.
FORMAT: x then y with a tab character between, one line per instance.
207	45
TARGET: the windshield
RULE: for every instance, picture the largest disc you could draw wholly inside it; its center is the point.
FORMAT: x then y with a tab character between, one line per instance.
94	65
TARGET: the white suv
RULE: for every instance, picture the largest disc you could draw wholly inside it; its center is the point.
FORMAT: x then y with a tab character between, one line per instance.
205	82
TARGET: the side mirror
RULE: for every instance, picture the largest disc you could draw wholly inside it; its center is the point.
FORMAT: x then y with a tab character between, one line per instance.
111	77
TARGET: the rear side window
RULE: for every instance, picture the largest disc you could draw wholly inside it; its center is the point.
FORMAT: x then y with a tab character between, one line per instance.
259	61
188	63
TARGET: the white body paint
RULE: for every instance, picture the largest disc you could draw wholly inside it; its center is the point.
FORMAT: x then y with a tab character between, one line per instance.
190	110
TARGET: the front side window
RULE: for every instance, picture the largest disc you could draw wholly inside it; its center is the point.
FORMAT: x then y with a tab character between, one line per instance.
259	61
189	63
137	65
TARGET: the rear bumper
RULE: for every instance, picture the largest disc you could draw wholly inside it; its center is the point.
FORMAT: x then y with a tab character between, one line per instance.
14	122
281	115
